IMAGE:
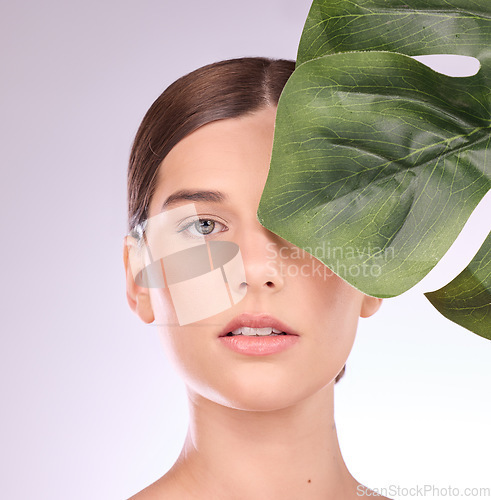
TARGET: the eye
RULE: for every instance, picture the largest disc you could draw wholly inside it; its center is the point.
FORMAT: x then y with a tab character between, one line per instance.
202	227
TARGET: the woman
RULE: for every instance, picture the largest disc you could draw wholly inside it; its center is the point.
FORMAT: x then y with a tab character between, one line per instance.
259	373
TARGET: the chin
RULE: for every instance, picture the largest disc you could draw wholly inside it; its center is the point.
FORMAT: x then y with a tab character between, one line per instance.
263	393
261	402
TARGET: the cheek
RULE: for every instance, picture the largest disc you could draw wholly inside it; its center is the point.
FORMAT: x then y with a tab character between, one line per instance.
334	309
335	302
183	348
162	307
171	334
183	345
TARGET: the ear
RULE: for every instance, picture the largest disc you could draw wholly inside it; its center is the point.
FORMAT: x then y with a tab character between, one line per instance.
369	306
138	297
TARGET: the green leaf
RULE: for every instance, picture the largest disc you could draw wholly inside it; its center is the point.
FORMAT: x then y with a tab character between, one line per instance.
378	161
411	27
466	300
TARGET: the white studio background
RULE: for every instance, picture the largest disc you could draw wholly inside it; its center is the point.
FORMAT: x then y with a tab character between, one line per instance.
91	408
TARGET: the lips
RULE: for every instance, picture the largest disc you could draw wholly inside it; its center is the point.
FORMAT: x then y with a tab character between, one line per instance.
256	321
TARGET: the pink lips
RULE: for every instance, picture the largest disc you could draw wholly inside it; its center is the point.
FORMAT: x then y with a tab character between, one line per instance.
257	345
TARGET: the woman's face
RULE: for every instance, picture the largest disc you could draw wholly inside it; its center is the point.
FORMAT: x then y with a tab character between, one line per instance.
232	156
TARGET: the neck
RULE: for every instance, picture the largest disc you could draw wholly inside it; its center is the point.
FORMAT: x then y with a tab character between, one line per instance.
286	453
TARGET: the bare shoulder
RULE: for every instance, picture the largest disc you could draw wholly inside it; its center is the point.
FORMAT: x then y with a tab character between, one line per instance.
165	487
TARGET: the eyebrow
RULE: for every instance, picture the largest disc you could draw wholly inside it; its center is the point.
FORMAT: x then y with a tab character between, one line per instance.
186	194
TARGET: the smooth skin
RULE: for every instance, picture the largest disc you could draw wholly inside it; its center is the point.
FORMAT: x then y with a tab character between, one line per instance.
261	427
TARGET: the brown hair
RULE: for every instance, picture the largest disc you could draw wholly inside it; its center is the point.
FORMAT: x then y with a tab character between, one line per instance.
225	89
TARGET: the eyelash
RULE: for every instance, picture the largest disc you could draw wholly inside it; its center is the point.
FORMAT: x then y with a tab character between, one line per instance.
195	221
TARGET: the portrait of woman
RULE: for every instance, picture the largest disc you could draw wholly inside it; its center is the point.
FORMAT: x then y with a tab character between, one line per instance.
157	340
260	374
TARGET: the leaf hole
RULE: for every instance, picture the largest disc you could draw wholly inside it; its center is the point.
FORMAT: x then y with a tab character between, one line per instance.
451	64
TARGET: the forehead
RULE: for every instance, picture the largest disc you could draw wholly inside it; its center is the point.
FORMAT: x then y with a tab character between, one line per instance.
230	155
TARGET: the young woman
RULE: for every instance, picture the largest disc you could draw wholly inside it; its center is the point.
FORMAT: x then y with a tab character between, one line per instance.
259	373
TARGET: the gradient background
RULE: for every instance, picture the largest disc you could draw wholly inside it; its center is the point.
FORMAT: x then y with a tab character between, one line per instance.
91	408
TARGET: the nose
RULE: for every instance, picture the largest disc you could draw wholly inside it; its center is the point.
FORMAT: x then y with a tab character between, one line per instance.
262	264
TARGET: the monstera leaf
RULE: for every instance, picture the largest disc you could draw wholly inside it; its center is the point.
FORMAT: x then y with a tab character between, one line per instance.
378	161
411	27
466	300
